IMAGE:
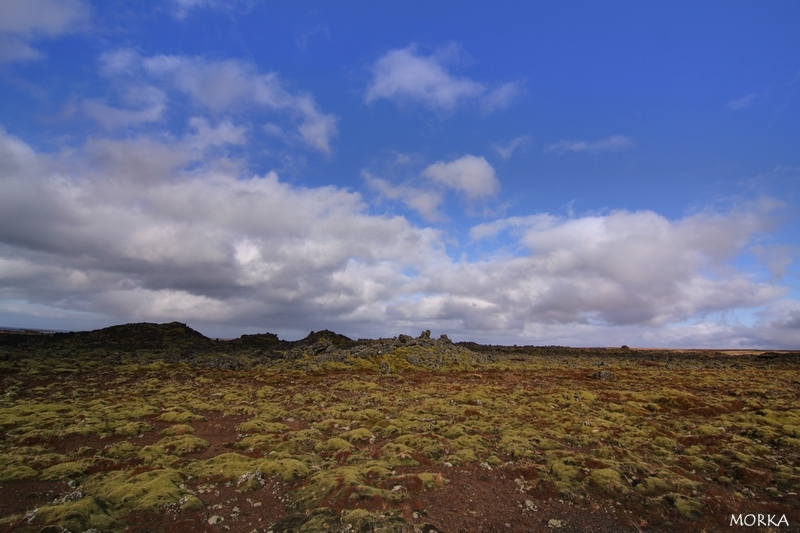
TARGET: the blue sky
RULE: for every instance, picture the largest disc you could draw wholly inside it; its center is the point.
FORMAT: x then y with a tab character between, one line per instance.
575	173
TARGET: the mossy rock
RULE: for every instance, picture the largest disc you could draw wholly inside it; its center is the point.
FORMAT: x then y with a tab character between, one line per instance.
226	465
473	442
465	455
71	470
180	417
178	445
132	429
334	444
688	507
121	450
17	473
148	491
564	472
608	480
258	425
653	486
262	443
359	435
286	469
359	519
707	429
454	431
178	429
517	447
329	424
191	503
79	515
396	454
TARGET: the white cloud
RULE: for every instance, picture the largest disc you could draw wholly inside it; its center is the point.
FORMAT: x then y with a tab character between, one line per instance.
507	150
163	229
225	86
610	144
150	105
424	202
23	22
470	175
405	74
630	268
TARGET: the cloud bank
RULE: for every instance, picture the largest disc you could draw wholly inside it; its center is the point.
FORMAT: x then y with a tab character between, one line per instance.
135	229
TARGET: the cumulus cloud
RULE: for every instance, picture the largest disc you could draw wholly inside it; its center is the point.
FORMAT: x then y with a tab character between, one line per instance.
138	235
22	22
425	202
223	86
150	104
470	175
405	74
610	144
631	267
161	229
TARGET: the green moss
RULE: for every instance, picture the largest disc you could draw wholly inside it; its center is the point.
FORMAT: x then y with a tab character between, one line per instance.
16	473
454	431
191	503
178	429
472	442
286	469
132	429
179	416
431	480
262	443
564	472
177	446
226	466
258	425
359	435
359	519
430	447
121	450
79	515
334	444
707	429
608	480
516	447
688	507
71	470
665	443
653	486
148	491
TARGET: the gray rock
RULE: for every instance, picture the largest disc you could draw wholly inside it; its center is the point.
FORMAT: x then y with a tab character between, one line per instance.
604	375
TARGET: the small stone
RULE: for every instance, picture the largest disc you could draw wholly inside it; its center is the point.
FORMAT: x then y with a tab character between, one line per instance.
216	519
555	523
529	505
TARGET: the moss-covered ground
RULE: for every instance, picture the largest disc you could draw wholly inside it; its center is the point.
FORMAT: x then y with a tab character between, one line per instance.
344	444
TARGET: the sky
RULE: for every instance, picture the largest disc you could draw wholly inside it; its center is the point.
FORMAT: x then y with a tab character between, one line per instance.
515	172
